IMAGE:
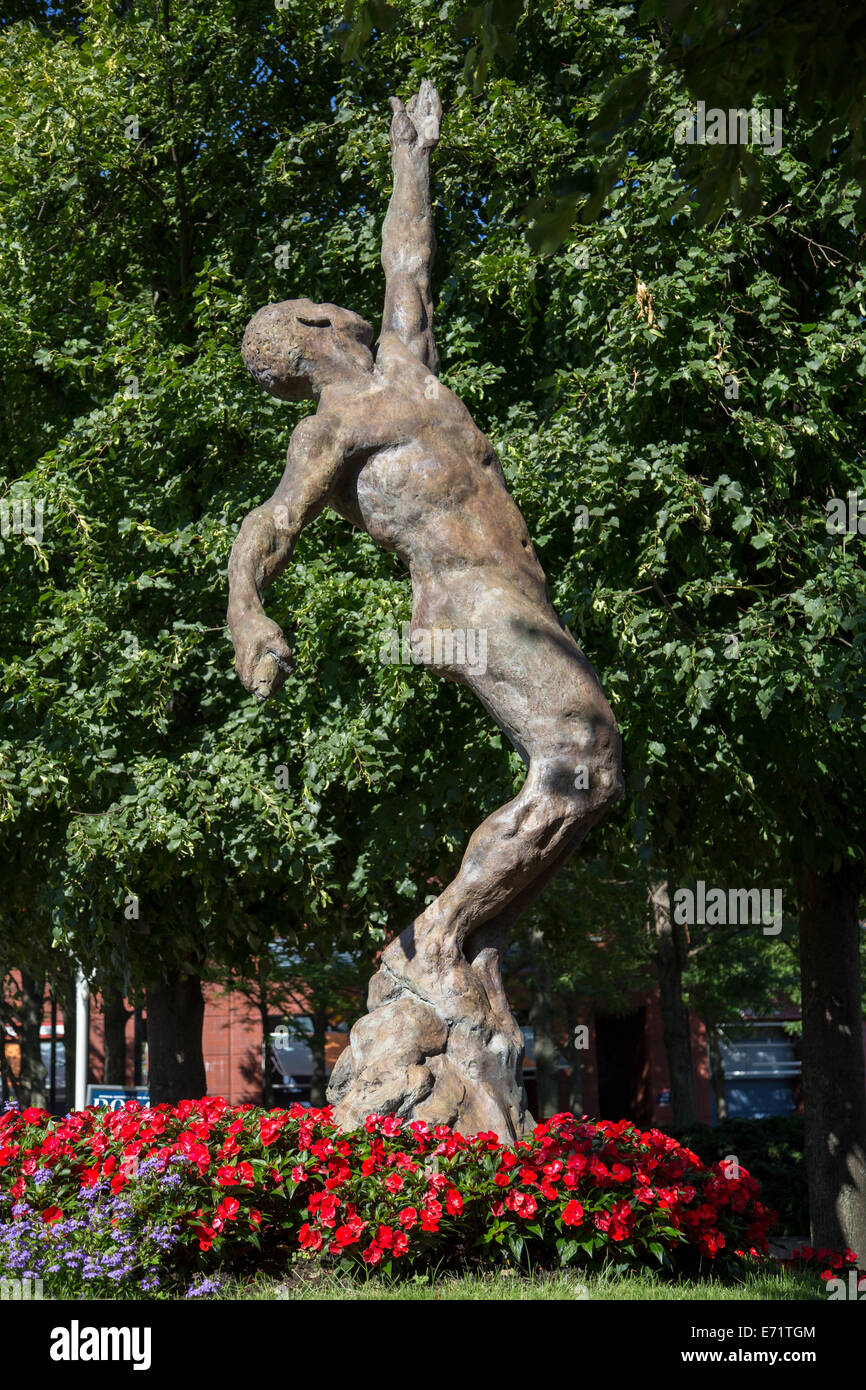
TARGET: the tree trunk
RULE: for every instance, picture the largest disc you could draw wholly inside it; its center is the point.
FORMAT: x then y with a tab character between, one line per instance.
671	955
834	1086
319	1076
541	1019
575	1058
31	1087
175	1017
717	1074
115	1016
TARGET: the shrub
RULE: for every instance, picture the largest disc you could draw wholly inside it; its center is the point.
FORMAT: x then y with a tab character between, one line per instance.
151	1197
773	1152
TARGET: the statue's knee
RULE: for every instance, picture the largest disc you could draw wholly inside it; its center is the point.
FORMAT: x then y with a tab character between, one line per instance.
597	780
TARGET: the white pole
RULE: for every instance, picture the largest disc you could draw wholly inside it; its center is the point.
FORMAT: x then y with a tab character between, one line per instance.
82	1038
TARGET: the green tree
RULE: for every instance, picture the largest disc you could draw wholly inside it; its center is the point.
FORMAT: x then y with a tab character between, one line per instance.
674	406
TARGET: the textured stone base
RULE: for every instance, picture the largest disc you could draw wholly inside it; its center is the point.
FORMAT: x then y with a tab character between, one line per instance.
439	1043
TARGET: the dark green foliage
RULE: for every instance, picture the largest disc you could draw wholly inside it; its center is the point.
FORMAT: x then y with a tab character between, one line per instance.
772	1151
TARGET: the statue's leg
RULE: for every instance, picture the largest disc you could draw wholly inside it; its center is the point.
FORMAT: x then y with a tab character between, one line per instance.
546	697
485	946
439	1042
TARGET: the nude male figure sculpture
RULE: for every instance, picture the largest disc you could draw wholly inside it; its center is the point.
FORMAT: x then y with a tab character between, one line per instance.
396	453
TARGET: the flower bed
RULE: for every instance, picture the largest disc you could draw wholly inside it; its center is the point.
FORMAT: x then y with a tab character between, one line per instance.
155	1198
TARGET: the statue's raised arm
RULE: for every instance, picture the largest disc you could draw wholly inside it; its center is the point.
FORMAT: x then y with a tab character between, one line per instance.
408	238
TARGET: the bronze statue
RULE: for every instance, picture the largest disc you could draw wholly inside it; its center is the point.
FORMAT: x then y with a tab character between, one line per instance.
394	451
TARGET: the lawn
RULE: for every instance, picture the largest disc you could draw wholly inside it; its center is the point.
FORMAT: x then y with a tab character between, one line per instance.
309	1284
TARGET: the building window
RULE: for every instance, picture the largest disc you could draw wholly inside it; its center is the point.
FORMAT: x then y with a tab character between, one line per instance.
760	1069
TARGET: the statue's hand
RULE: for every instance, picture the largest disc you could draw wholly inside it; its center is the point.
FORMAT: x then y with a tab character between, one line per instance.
417	123
263	659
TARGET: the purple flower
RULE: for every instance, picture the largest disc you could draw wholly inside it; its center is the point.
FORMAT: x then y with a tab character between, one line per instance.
205	1287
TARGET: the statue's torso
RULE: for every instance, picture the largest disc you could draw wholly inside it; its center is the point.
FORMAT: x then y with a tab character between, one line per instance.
425	482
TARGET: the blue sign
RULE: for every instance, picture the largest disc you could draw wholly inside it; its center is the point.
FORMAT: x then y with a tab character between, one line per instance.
115	1097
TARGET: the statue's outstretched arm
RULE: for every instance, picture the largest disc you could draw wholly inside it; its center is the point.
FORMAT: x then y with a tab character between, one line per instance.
408	241
264	547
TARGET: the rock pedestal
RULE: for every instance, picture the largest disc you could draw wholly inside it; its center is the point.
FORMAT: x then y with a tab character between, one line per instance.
438	1043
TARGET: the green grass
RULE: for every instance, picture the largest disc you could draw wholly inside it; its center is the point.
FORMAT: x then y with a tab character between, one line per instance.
319	1286
309	1283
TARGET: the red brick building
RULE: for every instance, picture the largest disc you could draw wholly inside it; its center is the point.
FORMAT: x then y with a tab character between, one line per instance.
623	1074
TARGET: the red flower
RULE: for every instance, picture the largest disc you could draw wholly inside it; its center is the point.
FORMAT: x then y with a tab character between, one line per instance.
407	1218
372	1255
453	1201
429	1222
308	1238
50	1213
393	1182
572	1214
522	1204
228	1208
255	1218
348	1234
400	1244
385	1237
241	1175
328	1210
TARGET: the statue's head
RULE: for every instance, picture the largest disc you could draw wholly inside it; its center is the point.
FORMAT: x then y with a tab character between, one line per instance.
296	348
